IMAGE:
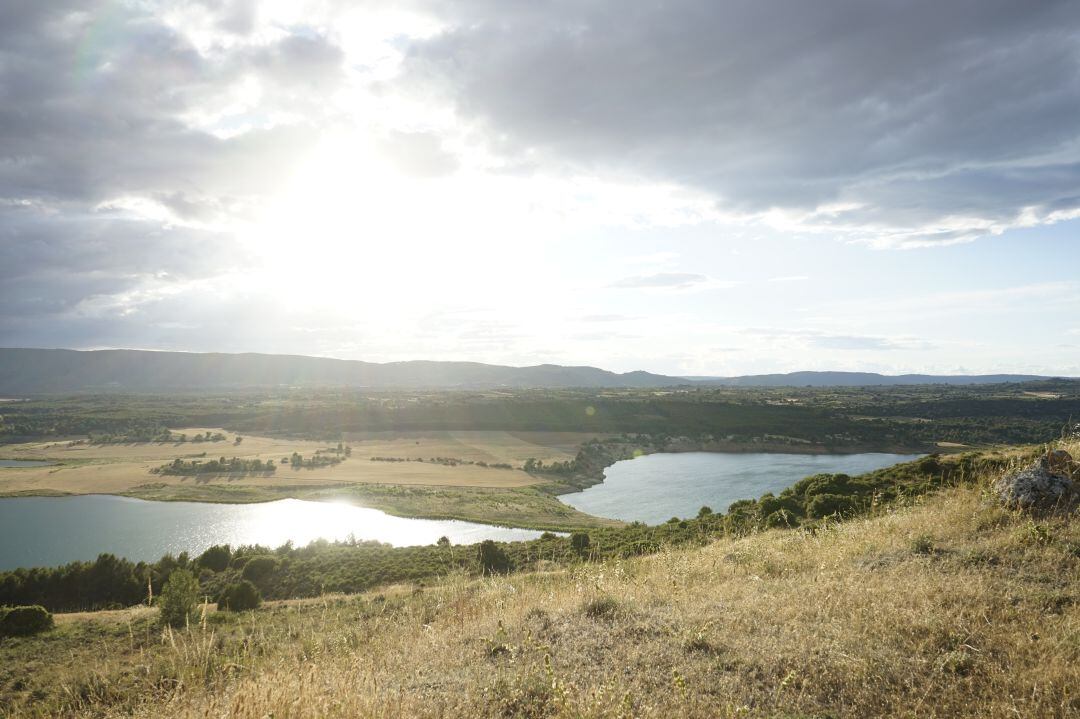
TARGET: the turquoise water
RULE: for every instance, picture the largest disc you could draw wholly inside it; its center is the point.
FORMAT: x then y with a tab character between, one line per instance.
656	487
47	531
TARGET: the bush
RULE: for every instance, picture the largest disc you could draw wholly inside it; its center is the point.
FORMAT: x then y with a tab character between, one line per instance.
781	518
240	597
923	544
930	464
492	558
601	608
24	621
216	558
259	567
825	505
178	598
579	541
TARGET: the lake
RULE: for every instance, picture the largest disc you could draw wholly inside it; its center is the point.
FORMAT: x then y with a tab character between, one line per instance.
23	463
657	487
47	531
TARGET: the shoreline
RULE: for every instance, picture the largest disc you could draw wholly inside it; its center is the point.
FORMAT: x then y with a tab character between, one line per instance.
534	504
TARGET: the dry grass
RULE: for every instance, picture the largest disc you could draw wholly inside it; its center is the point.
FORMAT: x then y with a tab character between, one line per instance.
120	468
952	608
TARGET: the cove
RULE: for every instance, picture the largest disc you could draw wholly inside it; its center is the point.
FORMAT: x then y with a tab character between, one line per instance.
656	487
49	531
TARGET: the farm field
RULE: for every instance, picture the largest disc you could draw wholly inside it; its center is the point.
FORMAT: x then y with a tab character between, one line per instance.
469	492
122	468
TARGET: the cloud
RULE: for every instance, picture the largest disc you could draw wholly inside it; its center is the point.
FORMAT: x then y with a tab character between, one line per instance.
895	124
832	341
419	154
125	153
662	280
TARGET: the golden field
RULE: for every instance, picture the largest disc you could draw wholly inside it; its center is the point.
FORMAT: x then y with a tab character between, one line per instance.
508	497
122	468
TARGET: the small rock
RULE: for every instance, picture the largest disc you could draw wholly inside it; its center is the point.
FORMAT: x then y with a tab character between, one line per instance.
1044	485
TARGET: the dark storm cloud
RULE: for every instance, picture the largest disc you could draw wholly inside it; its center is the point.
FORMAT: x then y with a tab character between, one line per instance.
919	111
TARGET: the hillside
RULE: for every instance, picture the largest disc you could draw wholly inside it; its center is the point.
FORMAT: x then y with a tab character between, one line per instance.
946	607
57	371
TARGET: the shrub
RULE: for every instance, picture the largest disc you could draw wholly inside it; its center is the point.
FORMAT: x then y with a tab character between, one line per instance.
216	558
825	505
579	541
259	567
820	484
781	518
240	597
769	504
492	558
178	598
23	621
601	608
923	544
930	464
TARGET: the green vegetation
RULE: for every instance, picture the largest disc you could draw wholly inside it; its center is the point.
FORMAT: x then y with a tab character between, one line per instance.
844	418
492	558
232	465
178	598
239	597
319	459
447	462
24	621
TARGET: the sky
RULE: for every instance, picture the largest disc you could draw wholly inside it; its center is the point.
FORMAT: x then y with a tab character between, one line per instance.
687	187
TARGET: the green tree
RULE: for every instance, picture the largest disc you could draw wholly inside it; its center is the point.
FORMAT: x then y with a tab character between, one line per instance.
493	559
579	542
178	598
216	558
259	567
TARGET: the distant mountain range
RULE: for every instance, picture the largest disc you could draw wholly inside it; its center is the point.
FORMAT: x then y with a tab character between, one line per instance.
859	379
58	371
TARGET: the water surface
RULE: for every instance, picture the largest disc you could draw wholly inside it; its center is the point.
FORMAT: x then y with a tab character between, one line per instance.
24	463
656	487
47	531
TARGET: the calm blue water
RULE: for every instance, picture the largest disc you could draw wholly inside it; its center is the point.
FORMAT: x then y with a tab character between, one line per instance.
46	531
657	487
23	463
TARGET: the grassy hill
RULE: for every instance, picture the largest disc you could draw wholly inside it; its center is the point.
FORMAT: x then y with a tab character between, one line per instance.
945	605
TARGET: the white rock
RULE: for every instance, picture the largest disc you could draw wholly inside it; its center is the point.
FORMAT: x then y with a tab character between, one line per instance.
1043	485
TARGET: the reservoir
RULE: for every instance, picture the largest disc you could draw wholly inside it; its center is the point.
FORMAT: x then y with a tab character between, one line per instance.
657	487
48	531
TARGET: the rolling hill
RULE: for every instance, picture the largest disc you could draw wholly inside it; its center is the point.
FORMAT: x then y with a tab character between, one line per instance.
57	371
